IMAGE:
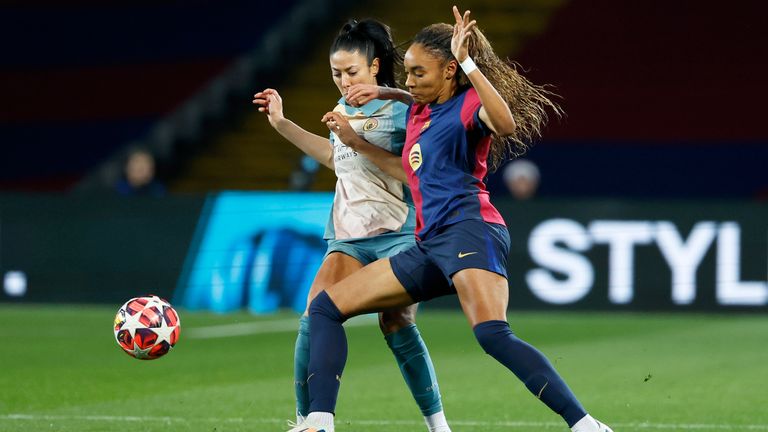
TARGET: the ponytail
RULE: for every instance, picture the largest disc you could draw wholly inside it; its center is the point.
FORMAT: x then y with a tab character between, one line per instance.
373	39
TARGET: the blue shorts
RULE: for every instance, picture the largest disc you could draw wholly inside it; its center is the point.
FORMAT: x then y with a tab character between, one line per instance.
425	270
369	249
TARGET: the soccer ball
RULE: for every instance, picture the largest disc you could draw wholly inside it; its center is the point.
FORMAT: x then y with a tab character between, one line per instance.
147	327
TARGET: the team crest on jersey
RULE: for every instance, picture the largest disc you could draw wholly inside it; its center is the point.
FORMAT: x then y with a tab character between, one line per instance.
426	125
414	157
370	124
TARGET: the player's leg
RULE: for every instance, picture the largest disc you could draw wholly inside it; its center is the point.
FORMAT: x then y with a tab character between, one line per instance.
484	296
404	339
372	288
336	266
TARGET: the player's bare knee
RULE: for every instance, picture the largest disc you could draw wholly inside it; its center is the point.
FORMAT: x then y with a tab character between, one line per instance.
314	290
396	319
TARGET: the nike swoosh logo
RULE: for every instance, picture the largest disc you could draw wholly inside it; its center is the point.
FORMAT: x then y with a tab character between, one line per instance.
462	255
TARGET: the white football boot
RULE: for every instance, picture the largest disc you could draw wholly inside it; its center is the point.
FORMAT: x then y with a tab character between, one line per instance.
603	427
589	424
305	426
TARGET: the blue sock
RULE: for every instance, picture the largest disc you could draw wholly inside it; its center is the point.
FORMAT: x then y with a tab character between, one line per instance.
300	364
416	366
531	367
327	353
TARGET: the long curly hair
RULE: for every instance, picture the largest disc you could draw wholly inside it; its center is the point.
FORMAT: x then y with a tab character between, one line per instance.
528	102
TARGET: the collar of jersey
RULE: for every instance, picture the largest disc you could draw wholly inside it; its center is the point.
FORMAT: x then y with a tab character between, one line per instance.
367	109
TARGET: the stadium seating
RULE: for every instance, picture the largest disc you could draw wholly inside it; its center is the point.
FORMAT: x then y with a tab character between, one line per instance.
663	99
255	157
81	80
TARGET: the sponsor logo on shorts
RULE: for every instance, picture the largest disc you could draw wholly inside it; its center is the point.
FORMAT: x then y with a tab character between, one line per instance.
462	254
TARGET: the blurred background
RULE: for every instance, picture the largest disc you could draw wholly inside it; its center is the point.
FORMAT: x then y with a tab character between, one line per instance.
132	160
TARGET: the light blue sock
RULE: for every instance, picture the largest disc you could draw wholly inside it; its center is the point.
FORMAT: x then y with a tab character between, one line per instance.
300	364
416	366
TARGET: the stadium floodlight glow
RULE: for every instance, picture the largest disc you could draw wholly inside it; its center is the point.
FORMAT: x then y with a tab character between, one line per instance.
15	283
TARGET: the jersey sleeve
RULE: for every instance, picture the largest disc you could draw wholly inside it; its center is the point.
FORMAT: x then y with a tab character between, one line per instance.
470	113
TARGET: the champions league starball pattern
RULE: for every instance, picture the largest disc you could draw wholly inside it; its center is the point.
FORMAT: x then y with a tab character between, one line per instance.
147	328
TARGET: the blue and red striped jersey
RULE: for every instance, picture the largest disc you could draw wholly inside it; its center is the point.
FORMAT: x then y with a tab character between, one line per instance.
445	158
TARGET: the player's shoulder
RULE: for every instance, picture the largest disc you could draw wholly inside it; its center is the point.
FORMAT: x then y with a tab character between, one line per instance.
467	106
462	103
469	97
392	112
400	111
375	108
390	108
399	106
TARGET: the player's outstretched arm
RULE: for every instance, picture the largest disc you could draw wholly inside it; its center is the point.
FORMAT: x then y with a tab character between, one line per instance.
388	162
361	94
495	112
315	146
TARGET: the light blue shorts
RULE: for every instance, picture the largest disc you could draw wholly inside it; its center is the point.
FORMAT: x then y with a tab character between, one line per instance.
369	249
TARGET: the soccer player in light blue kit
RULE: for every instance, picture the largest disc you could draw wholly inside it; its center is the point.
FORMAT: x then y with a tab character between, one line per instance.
373	215
461	113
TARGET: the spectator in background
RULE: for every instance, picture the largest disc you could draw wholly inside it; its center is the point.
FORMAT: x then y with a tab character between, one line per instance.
521	177
139	176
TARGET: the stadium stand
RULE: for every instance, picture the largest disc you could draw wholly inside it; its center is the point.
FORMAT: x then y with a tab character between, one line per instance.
81	80
663	99
253	156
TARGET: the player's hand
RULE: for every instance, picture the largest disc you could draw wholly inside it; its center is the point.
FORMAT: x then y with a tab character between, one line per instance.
360	94
462	33
339	125
270	103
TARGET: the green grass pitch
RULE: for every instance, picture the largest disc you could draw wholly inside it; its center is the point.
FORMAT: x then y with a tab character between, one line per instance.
61	370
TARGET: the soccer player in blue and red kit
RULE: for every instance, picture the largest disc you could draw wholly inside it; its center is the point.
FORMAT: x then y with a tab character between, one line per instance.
462	116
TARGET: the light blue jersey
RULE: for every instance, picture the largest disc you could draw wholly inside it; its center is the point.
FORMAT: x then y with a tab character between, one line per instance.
368	202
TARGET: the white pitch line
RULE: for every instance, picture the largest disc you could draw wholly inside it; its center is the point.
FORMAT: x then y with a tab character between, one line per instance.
477	423
261	327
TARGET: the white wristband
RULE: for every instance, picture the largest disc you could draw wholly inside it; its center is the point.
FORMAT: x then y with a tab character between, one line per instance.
468	65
